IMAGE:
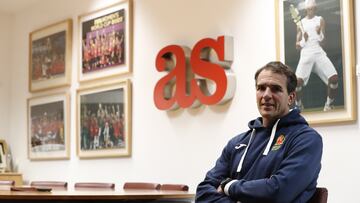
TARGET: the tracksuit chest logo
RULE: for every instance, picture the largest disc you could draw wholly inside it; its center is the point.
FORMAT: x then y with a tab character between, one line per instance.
279	141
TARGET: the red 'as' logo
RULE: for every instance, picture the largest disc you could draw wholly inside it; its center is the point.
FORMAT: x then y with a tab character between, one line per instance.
200	76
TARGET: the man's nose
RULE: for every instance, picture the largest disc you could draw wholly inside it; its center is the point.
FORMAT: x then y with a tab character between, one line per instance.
267	92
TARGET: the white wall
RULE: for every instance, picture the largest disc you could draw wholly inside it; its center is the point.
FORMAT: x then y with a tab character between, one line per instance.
179	146
5	70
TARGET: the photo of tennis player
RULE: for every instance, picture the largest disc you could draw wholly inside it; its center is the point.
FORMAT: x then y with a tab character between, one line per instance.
313	47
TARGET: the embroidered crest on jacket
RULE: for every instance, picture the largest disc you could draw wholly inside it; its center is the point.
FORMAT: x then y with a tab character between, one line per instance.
279	141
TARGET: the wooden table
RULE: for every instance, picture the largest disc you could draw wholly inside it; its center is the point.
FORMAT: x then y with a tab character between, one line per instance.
95	195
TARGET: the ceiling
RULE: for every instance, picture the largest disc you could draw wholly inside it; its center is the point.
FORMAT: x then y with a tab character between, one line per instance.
13	6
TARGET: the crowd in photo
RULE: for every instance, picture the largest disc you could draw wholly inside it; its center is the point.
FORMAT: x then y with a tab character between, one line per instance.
102	49
47	129
48	57
102	126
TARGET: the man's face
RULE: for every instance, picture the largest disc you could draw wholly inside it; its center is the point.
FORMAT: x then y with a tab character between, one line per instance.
311	11
272	97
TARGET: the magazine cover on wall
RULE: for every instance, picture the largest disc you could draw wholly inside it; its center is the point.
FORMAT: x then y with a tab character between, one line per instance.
105	42
104	120
50	56
316	38
48	127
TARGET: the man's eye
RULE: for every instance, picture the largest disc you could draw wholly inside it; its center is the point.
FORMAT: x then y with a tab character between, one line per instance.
260	87
276	89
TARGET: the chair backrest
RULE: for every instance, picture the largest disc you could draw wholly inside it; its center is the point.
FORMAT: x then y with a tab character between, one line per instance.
50	184
7	182
94	185
141	186
320	196
178	187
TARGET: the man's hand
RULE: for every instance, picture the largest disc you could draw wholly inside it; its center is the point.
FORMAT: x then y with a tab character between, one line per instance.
219	189
222	185
298	46
306	36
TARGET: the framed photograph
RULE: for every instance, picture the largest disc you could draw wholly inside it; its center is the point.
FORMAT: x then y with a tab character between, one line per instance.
316	39
105	46
3	152
50	56
104	121
49	127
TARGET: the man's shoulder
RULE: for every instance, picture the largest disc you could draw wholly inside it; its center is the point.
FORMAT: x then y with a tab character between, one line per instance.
320	18
240	138
306	132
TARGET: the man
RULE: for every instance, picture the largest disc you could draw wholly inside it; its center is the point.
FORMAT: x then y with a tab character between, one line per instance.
277	160
313	58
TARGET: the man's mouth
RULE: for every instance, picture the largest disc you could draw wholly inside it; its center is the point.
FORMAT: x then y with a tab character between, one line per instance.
267	104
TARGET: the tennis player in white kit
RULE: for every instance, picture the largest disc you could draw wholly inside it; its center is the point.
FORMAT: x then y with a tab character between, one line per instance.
312	57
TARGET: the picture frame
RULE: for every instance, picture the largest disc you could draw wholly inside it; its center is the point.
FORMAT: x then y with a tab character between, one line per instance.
105	42
50	56
3	153
104	120
49	127
339	46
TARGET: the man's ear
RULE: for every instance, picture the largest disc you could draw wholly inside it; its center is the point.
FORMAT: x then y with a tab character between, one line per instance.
291	98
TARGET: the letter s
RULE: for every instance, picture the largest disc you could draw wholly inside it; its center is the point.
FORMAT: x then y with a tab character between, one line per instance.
209	70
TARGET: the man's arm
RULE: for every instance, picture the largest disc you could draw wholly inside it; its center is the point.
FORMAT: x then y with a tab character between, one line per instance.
299	38
321	31
208	190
